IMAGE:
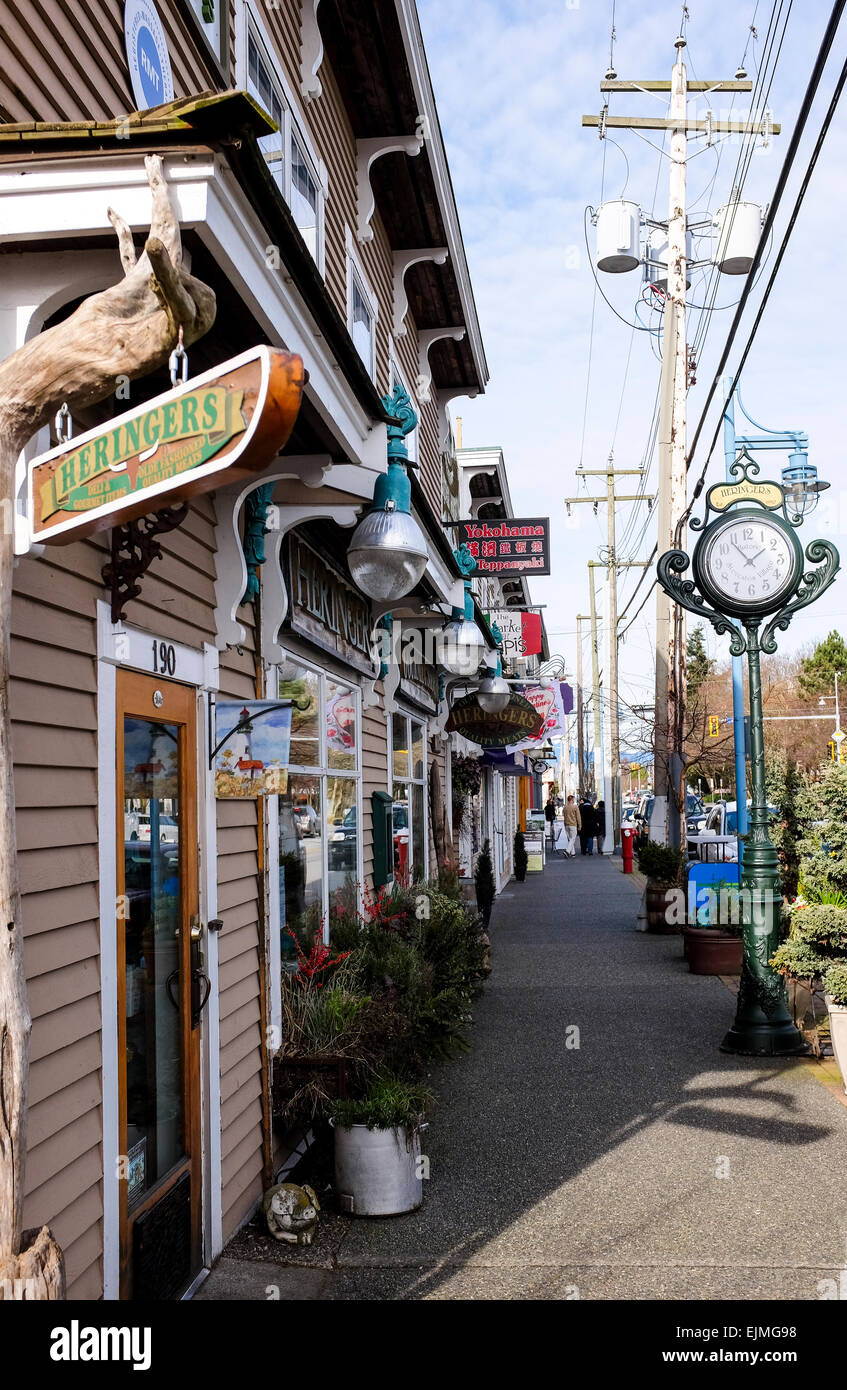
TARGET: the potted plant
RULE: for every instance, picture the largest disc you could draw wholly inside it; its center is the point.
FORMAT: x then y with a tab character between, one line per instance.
378	1168
835	994
486	891
662	866
815	952
713	941
521	858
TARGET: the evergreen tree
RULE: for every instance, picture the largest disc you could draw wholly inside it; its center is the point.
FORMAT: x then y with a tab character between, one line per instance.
699	665
484	880
818	671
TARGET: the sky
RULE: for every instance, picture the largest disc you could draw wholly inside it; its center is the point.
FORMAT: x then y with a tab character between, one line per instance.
512	82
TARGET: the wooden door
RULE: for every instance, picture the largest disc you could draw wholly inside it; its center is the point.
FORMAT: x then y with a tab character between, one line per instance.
162	987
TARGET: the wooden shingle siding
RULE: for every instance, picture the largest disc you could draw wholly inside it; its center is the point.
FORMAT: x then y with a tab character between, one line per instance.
64	60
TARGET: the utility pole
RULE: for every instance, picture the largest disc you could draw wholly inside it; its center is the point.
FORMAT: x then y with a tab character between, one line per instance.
672	436
580	705
595	684
612	793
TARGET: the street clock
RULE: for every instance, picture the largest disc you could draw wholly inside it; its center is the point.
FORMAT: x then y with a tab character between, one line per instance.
749	579
748	562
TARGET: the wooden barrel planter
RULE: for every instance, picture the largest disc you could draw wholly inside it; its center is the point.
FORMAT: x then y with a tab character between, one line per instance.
657	902
713	952
291	1074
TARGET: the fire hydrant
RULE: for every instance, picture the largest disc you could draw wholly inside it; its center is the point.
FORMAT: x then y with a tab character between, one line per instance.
627	837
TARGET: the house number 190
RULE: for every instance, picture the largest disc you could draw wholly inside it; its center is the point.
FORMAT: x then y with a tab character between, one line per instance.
164	658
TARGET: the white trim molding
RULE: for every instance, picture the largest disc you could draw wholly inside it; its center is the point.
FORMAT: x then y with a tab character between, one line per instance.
367	151
403	261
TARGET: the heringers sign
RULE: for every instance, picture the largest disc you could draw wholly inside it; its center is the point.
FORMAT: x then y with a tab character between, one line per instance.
225	425
516	722
326	608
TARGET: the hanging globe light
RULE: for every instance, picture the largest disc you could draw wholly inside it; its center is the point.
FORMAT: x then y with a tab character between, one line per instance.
388	554
493	693
460	645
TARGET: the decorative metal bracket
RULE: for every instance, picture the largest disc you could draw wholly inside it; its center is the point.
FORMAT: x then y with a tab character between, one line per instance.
812	585
134	548
684	592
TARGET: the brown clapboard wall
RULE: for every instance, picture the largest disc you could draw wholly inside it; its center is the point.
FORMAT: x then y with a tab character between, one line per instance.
54	712
64	60
374	777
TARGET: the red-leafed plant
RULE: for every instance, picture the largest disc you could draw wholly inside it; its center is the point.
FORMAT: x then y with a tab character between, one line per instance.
320	959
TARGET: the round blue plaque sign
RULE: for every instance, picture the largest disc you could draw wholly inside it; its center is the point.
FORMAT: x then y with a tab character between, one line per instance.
147	55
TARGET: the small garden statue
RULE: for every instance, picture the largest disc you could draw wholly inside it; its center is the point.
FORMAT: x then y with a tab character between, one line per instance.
291	1212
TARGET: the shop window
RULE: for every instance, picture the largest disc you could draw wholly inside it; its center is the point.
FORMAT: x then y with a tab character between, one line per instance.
408	769
320	842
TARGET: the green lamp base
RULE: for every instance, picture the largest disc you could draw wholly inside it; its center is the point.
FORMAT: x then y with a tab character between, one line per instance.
756	1033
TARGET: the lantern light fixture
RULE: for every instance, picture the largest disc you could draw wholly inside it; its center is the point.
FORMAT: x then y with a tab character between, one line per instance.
388	554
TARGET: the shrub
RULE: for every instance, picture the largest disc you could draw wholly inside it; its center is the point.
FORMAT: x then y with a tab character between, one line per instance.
835	982
521	856
660	862
484	881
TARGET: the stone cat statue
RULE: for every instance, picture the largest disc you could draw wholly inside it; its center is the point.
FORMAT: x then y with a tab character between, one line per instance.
291	1212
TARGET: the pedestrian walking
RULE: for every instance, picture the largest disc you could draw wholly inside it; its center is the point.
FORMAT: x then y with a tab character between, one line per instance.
586	829
600	824
573	822
550	816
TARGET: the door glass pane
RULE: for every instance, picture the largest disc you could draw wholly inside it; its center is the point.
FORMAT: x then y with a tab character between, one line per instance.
400	745
305	690
342	833
418	831
151	915
417	749
300	860
340	727
400	817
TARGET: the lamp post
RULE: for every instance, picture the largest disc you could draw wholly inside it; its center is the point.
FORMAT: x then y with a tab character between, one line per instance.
838	733
388	554
749	570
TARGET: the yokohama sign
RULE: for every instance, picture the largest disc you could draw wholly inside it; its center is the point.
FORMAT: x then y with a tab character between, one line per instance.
508	545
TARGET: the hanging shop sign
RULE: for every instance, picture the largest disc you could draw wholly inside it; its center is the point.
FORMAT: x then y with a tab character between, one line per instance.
147	55
518	721
521	632
326	608
507	546
223	426
252	742
546	700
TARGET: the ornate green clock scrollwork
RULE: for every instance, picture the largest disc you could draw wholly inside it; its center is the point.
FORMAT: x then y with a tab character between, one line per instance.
747	568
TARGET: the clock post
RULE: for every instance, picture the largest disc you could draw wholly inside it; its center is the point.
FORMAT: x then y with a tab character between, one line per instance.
748	565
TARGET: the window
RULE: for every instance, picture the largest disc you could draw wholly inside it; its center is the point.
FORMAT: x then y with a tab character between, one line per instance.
362	324
320	850
408	772
299	176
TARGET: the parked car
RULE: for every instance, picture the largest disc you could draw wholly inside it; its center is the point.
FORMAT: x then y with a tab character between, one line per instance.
718	838
342	842
695	812
138	825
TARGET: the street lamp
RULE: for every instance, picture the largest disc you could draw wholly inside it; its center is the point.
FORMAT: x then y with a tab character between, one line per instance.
460	645
801	485
387	554
493	693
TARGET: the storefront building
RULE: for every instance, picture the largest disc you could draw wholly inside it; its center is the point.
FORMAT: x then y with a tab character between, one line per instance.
155	914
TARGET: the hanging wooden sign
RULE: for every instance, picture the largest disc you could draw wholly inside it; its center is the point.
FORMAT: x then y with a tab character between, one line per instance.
516	722
220	427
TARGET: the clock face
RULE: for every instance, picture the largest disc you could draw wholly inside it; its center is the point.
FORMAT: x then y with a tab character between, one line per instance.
750	562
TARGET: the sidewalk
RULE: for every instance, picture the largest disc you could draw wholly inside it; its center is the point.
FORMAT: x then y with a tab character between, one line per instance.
594	1143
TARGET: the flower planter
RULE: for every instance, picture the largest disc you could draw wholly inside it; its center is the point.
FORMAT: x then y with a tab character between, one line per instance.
838	1033
377	1171
657	904
712	952
289	1075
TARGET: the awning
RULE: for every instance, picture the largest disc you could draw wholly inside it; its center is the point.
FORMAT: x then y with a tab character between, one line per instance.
508	764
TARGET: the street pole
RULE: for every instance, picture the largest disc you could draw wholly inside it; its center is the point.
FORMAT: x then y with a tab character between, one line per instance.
580	705
729	445
595	683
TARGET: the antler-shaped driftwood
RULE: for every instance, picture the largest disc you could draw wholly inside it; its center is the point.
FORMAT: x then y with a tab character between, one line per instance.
127	330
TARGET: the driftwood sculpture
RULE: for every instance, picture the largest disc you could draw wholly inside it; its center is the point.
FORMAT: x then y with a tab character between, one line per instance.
129	329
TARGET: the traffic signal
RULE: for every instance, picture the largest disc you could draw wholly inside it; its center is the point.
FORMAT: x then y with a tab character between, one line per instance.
714	726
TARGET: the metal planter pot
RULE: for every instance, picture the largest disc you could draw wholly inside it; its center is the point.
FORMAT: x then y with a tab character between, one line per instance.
838	1033
712	952
377	1171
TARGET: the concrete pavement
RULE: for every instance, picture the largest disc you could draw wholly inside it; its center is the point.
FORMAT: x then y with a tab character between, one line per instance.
595	1143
